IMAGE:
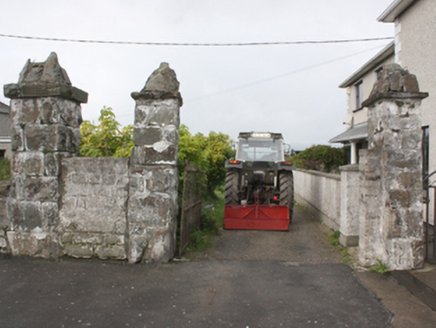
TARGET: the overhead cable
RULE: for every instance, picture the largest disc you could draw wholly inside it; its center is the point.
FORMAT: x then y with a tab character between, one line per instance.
188	44
272	78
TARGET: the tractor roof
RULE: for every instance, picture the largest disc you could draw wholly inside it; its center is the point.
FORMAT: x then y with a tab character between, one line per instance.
260	135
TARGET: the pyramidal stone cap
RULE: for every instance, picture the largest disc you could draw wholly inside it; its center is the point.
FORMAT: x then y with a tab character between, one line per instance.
394	83
44	79
161	84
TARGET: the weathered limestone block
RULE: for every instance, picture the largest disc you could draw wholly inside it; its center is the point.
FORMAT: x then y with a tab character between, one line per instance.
147	135
391	190
17	138
46	110
36	243
155	210
28	163
111	252
157	112
161	153
51	138
87	245
154	245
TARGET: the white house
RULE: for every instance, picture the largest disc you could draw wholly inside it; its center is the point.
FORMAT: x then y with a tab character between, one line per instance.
359	86
414	49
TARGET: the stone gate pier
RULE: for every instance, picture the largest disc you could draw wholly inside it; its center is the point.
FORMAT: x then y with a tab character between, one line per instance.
391	209
152	208
46	118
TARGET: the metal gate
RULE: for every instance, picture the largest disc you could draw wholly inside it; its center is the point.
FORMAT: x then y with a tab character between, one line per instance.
191	205
429	229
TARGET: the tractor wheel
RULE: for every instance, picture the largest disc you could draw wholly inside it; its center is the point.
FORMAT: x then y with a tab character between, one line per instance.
286	180
232	188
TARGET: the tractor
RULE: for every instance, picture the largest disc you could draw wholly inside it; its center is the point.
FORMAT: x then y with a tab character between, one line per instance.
259	191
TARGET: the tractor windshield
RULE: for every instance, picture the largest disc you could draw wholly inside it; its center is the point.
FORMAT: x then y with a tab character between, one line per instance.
260	150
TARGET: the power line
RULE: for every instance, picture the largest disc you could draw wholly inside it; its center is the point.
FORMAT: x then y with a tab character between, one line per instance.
183	44
248	85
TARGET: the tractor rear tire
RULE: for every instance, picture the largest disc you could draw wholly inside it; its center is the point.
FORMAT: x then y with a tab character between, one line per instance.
232	188
286	180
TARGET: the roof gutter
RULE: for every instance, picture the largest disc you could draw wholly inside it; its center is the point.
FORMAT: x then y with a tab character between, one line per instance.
394	10
370	65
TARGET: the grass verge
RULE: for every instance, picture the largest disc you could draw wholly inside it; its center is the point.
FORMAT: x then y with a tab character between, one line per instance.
334	241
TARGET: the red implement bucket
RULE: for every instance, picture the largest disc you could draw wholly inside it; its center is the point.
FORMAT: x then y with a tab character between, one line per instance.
256	217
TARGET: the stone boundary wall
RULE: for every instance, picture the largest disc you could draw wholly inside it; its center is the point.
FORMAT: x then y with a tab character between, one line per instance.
320	193
111	208
93	211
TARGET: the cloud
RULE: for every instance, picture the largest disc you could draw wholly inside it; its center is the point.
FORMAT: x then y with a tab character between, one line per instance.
307	106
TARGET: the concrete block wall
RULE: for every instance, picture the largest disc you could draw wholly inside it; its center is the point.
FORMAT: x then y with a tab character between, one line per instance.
350	206
321	194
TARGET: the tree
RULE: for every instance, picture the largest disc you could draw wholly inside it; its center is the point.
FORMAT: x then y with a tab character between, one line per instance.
106	139
209	153
320	158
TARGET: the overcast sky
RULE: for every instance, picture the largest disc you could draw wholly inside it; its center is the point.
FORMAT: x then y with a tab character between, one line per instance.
291	89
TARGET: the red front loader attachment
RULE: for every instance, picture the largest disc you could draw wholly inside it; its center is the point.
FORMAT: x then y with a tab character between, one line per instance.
256	217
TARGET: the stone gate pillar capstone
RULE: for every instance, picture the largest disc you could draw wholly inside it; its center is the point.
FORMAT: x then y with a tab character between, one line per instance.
391	228
152	204
46	117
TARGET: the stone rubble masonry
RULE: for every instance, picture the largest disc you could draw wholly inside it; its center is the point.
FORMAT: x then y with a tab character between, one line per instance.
93	214
46	117
152	206
391	182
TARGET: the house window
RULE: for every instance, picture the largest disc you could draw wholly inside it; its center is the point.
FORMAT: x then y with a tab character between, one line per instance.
2	153
378	72
425	152
359	94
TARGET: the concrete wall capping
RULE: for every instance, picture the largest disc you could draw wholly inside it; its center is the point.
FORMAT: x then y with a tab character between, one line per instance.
323	174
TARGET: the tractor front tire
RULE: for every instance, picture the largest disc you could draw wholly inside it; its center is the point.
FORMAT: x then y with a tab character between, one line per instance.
286	180
232	188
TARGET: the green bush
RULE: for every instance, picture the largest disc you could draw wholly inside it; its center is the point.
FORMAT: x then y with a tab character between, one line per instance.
209	153
320	158
5	169
106	139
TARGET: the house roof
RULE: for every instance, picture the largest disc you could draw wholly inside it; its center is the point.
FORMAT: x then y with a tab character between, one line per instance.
394	10
370	65
357	132
4	109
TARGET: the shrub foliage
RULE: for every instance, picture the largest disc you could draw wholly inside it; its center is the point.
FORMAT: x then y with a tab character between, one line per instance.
5	169
320	158
106	139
